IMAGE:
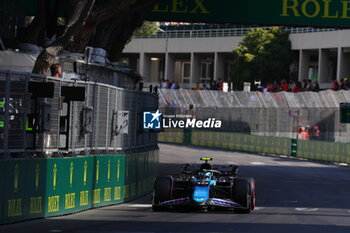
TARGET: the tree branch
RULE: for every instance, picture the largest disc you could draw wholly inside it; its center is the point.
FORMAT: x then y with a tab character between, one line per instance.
47	57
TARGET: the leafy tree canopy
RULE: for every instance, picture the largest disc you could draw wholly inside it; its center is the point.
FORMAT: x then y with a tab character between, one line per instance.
147	29
263	55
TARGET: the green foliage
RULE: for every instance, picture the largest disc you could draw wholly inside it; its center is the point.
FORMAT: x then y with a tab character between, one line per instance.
264	55
147	29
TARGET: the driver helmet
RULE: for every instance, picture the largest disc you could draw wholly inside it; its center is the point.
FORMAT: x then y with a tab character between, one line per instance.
205	166
205	175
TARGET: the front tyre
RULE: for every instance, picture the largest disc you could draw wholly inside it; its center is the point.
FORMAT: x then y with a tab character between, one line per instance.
243	193
163	187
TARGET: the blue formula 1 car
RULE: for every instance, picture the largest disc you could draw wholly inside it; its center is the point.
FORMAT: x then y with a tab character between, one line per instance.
205	186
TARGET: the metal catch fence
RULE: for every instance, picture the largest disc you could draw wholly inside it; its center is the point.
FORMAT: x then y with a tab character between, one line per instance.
45	116
279	114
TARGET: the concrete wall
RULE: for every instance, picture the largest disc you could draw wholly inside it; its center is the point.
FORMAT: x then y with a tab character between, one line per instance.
183	45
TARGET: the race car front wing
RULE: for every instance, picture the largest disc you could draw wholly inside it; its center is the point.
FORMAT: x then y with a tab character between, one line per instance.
209	202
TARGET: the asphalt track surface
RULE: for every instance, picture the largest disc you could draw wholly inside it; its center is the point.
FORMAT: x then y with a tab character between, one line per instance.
293	196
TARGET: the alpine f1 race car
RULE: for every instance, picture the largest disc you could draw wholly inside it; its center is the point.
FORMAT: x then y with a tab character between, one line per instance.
206	186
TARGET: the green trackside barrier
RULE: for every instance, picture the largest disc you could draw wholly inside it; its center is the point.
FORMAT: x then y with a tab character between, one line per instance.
324	151
24	189
68	185
36	188
187	137
171	136
143	185
233	141
2	193
241	142
315	150
130	177
109	180
151	169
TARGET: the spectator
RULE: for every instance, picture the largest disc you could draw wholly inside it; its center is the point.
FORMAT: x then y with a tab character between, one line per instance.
196	87
347	83
165	84
270	87
219	85
316	86
296	87
160	83
284	85
314	132
309	86
335	85
204	87
265	90
260	88
304	84
275	86
174	85
213	85
344	85
56	70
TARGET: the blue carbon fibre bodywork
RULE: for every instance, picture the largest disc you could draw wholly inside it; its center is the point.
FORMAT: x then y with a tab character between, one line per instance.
208	202
201	193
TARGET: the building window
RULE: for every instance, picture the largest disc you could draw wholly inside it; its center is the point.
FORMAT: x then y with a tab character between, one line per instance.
186	72
207	72
313	73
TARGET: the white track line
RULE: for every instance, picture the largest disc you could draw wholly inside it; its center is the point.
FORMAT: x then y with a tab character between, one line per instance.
307	209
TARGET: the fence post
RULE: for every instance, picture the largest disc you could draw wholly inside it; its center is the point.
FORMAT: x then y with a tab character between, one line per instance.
294	147
187	136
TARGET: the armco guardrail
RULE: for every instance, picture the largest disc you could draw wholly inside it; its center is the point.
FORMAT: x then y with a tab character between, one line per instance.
37	188
314	150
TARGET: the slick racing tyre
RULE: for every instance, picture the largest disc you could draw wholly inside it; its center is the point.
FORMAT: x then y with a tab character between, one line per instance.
242	193
252	192
163	187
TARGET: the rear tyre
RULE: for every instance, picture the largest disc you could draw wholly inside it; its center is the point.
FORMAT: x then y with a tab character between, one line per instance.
163	187
242	193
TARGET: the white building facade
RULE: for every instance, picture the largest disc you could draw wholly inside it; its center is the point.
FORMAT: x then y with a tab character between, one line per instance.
189	57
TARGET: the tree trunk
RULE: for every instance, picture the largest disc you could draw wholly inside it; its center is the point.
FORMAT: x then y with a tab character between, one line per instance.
48	56
122	35
112	35
98	16
114	21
